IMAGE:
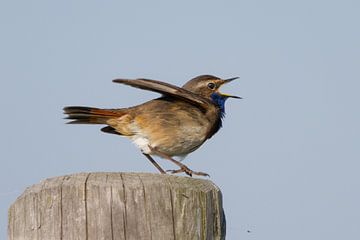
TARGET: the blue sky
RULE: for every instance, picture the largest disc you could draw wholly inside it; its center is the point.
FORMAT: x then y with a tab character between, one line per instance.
287	158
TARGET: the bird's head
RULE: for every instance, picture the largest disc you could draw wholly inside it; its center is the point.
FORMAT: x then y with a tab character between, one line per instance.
208	87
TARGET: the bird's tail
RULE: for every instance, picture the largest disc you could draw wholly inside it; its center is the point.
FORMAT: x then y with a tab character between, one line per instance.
89	115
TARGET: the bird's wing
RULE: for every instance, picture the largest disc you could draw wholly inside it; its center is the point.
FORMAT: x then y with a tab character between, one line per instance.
167	90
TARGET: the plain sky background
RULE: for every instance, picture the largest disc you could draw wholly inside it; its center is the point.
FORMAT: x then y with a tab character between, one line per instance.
287	158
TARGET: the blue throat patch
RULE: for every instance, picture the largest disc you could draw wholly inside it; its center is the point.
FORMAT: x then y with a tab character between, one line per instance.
220	102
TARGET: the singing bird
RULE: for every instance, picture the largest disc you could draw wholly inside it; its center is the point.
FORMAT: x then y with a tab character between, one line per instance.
173	125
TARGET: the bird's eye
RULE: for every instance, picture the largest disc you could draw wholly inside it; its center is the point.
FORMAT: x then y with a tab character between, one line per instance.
211	85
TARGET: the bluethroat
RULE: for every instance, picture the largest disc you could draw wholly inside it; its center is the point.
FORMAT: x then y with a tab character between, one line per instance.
175	124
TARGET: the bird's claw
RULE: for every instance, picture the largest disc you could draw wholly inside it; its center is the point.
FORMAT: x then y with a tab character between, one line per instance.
188	171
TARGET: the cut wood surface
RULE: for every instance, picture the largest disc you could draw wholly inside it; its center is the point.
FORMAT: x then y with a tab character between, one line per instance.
118	206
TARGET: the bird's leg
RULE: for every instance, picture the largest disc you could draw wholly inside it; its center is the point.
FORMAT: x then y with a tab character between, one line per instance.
183	167
155	163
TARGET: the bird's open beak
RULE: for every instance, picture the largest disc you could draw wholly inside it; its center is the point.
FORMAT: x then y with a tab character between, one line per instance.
227	95
230	79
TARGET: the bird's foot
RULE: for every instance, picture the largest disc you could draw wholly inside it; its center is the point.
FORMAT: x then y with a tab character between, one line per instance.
188	171
183	168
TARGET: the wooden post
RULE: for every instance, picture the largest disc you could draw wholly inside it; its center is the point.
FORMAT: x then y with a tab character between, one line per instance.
118	206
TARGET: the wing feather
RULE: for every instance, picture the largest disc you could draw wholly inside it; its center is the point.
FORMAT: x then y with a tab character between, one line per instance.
167	90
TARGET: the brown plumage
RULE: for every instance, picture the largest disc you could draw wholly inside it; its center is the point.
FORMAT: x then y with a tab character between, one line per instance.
175	124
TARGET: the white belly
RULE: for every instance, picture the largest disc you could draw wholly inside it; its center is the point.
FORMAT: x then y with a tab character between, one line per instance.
142	143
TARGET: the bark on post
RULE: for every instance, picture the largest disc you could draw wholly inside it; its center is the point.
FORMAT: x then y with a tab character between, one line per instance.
118	206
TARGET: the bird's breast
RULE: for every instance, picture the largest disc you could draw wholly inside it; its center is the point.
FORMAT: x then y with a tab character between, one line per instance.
173	128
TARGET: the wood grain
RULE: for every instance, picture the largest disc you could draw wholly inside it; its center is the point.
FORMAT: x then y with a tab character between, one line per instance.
117	206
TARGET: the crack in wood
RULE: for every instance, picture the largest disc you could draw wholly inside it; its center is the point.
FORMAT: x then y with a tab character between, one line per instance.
86	207
172	212
146	208
125	213
111	209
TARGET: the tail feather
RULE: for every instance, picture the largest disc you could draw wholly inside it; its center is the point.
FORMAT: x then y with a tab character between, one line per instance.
89	115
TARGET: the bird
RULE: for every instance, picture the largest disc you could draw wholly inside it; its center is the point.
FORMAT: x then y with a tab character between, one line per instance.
172	125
